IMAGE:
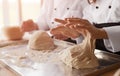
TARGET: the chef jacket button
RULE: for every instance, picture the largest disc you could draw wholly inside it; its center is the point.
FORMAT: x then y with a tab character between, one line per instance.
52	22
97	7
109	7
68	8
55	8
72	16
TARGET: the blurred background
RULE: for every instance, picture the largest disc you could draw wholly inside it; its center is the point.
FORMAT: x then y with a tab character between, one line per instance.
13	12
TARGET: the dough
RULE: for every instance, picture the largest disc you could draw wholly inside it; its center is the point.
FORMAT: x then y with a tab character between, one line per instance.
40	40
117	73
12	32
81	55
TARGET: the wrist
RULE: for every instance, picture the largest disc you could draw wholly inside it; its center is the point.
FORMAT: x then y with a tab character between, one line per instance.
102	34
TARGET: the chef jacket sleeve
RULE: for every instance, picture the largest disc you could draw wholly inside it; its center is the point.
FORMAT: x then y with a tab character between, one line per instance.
42	19
113	41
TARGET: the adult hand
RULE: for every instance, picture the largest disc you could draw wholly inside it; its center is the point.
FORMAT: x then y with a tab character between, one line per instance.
60	37
28	26
68	32
81	24
61	21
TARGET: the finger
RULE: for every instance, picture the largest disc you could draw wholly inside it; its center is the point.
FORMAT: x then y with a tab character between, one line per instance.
68	25
22	29
72	18
57	30
79	27
77	21
63	30
22	26
70	35
60	36
54	31
71	26
60	21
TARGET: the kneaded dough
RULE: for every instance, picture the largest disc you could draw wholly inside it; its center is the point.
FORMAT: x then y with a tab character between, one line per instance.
40	40
81	55
117	73
12	33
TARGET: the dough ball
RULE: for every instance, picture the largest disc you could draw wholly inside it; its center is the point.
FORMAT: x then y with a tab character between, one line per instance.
40	40
12	32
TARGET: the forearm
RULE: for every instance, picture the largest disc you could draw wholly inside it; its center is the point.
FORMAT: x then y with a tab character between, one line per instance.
101	34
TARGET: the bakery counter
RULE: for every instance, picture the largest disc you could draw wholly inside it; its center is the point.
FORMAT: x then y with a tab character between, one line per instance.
19	60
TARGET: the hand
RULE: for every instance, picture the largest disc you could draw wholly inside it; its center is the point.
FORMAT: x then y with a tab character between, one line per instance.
60	21
28	26
70	33
60	37
81	25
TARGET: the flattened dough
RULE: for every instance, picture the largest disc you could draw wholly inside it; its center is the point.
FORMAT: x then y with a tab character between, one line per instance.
40	40
81	55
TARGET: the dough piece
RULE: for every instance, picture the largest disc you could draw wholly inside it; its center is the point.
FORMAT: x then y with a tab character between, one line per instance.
81	55
117	73
12	33
40	40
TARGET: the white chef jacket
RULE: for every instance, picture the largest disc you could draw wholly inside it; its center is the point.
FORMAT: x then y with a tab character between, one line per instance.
59	9
104	11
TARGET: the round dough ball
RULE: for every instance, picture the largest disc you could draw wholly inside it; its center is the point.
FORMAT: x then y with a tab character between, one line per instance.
12	32
40	40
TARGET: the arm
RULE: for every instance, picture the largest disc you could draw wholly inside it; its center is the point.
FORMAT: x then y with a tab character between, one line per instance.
81	24
113	32
111	35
